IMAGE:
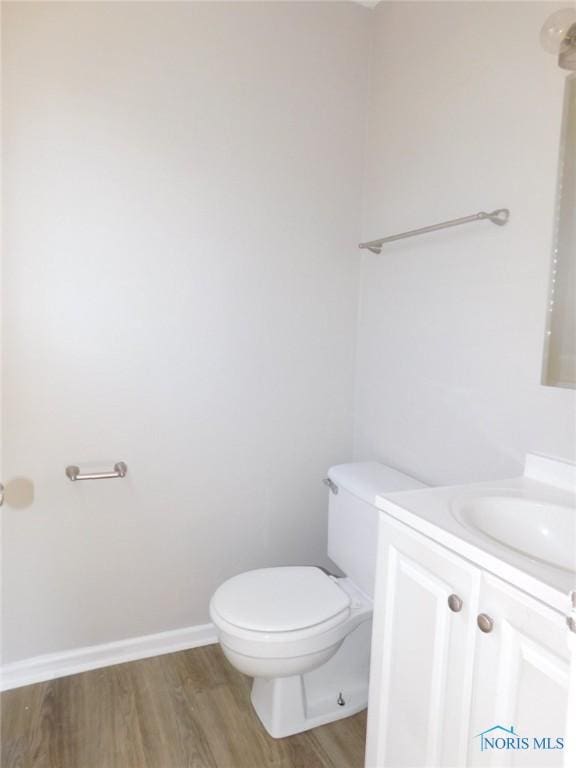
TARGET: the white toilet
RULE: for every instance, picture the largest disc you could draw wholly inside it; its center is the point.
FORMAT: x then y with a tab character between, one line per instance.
302	634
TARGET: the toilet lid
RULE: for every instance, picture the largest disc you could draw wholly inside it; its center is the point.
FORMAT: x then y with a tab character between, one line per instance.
280	599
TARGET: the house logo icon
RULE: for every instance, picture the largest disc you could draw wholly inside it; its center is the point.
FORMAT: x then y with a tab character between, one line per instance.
499	737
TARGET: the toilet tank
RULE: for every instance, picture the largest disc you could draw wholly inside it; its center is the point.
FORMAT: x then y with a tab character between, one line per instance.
353	517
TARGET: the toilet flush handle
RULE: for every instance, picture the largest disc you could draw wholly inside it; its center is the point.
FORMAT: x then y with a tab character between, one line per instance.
331	484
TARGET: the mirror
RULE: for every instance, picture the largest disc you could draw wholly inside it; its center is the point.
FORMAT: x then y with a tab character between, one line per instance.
560	344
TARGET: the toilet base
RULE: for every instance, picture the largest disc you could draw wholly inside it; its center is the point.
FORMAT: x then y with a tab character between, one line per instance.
337	689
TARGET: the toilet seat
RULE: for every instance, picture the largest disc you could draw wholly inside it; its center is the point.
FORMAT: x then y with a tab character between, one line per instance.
302	640
279	600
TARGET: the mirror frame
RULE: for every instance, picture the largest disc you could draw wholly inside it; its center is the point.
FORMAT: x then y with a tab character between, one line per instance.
547	379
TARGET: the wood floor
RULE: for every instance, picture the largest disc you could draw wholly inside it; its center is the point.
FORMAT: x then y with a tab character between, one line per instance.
184	710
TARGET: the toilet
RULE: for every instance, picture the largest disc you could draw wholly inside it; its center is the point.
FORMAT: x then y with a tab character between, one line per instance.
302	633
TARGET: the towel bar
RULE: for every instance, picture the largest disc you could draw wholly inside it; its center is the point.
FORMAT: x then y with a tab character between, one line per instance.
73	473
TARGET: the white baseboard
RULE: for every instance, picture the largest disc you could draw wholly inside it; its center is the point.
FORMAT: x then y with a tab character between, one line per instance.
50	666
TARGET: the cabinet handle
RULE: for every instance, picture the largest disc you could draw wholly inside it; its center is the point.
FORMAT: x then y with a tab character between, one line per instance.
455	603
485	622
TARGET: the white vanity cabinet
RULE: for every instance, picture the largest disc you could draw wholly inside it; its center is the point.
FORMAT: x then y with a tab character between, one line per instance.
522	671
422	652
438	679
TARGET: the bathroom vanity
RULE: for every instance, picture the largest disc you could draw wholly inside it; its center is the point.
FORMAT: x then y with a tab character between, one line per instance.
475	624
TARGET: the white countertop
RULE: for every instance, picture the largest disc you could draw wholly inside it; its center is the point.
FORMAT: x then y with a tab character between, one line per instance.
430	511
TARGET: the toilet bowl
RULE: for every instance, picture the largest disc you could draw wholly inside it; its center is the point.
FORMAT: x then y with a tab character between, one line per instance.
302	633
315	613
277	625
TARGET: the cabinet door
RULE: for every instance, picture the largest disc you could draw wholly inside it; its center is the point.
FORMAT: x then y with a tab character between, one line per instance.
422	652
570	752
521	680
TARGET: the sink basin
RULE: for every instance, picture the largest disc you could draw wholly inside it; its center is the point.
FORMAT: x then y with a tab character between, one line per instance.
536	529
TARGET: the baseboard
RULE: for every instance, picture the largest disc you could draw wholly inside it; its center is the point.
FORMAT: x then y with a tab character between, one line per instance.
53	665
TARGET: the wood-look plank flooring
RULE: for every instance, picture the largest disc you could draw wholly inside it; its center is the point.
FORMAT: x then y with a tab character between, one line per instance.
183	710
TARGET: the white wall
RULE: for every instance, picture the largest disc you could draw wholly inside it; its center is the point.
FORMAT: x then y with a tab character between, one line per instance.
465	115
182	208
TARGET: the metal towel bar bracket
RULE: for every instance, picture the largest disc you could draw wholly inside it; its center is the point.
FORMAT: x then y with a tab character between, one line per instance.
120	470
500	217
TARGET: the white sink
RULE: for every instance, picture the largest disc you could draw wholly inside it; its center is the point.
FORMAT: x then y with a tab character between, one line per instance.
537	529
